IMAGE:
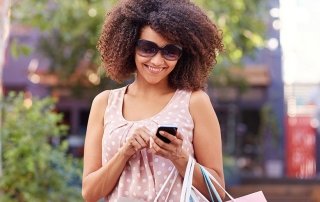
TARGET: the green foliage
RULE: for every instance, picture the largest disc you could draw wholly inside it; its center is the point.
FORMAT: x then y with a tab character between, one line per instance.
72	29
35	169
18	49
243	26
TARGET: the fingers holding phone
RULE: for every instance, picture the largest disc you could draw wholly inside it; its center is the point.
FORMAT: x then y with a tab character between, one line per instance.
163	129
167	142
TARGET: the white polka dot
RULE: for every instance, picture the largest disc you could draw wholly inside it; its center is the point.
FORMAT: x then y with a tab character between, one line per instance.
175	106
175	193
166	190
178	185
163	197
134	194
145	193
108	148
156	160
139	187
165	177
171	200
144	180
159	173
128	180
126	193
163	164
113	143
121	185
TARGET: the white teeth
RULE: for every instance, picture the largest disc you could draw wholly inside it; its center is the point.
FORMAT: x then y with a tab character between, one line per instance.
155	70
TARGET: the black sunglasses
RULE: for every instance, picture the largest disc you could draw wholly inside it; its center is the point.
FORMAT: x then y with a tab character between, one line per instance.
169	52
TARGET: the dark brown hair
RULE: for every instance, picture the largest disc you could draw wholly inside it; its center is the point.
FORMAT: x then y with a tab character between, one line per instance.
179	21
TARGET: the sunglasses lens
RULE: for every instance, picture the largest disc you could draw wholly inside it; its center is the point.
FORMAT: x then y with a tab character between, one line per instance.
171	52
146	48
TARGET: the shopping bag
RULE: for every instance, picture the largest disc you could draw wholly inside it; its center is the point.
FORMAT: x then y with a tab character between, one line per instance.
254	197
187	195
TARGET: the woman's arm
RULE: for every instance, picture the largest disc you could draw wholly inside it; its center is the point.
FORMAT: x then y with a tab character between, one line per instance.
98	181
207	141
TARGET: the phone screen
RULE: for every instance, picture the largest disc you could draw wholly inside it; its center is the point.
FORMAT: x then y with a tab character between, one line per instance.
169	129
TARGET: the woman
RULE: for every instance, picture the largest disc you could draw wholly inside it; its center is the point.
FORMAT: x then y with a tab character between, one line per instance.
170	46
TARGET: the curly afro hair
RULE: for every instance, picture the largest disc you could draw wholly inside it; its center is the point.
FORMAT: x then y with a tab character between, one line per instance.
179	21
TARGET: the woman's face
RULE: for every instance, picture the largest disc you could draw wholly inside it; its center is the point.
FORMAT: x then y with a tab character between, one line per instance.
152	66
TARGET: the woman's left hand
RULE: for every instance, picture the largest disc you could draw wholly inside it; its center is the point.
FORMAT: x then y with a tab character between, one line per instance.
173	150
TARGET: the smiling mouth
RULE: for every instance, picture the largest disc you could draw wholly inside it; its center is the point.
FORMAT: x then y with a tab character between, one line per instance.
154	69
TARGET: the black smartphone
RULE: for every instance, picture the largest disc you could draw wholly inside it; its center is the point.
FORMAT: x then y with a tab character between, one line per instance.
172	129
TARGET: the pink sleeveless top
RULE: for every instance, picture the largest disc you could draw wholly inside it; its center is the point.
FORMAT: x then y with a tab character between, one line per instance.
145	174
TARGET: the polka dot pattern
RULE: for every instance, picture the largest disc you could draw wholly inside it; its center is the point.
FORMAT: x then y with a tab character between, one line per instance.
145	173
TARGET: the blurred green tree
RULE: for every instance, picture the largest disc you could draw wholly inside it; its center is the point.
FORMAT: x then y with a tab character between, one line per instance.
71	29
35	168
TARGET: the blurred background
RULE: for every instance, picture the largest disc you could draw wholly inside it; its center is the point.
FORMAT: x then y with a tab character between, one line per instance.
265	90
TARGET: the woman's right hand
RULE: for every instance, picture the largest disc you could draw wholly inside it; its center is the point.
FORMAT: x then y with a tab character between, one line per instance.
139	140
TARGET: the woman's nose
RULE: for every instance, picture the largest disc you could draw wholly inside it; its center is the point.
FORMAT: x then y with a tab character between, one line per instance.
157	59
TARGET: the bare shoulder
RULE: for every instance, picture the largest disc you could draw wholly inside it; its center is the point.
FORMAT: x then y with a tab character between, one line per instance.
101	99
199	98
200	104
99	103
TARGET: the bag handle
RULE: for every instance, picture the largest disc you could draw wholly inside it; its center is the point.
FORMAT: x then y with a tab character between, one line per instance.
210	186
166	182
187	181
208	174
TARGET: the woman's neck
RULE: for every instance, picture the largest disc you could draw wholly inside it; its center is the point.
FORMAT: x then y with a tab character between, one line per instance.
145	89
